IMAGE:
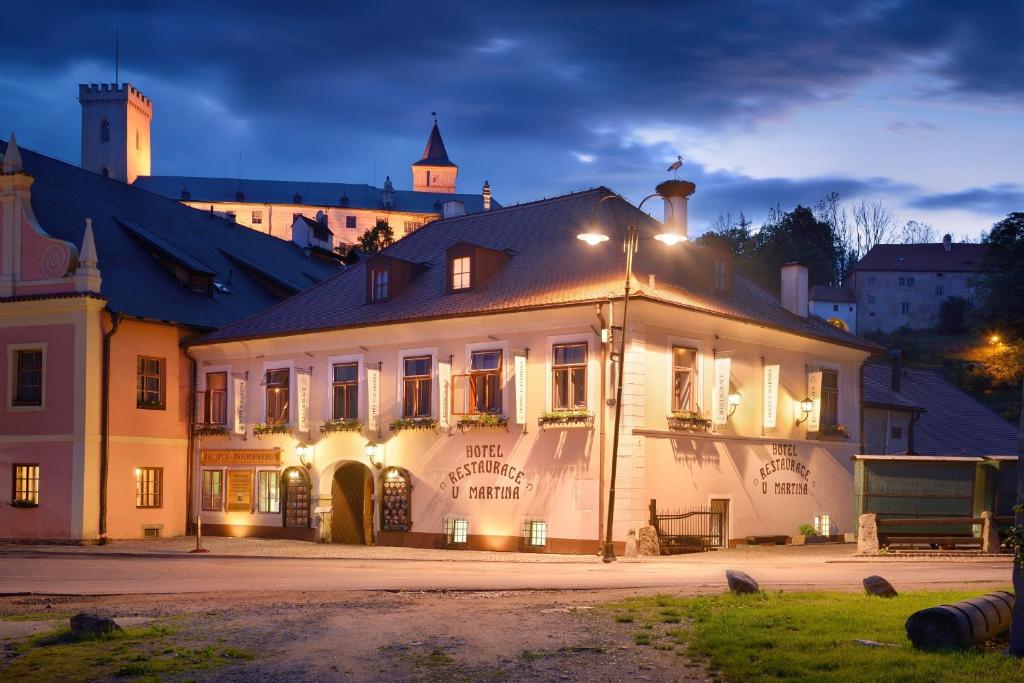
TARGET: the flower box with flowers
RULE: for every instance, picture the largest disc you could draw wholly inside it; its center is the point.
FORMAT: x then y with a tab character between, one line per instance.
338	426
837	432
566	419
688	421
413	423
207	429
22	503
266	430
482	421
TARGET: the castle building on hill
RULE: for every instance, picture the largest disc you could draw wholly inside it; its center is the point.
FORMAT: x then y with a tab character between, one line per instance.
116	143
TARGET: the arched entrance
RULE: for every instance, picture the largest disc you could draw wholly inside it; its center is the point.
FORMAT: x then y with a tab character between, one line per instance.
352	505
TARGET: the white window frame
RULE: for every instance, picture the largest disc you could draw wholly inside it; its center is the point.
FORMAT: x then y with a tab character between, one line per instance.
698	388
201	409
256	491
435	389
356	358
466	274
12	376
505	377
840	382
593	366
223	488
277	365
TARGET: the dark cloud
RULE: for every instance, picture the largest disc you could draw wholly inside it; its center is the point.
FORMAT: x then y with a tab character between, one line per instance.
998	199
342	91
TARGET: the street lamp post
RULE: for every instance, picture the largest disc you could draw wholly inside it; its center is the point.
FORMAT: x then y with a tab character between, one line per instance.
630	243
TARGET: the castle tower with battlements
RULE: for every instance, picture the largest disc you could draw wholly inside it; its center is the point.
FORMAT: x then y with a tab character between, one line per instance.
116	121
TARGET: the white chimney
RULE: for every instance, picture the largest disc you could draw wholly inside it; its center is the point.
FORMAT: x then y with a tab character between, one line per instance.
794	288
487	196
676	194
452	208
947	242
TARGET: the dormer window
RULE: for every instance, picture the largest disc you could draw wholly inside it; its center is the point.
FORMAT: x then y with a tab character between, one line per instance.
461	273
380	284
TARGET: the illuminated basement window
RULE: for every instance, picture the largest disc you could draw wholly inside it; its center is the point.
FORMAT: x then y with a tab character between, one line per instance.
457	530
535	532
823	524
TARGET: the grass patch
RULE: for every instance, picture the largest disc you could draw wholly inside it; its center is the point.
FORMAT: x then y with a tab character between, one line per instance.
154	652
810	637
41	615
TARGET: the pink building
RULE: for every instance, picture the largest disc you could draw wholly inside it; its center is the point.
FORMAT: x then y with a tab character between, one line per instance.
100	283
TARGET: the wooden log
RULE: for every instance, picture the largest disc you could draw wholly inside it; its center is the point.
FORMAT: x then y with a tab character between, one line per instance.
960	624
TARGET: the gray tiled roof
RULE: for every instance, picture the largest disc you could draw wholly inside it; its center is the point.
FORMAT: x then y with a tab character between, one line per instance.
310	193
952	423
548	266
129	223
923	257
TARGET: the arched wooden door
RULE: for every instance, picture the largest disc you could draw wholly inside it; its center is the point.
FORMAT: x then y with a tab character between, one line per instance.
352	505
296	498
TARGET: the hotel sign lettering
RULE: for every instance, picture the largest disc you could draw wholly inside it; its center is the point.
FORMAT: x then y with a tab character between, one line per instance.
262	458
507	481
772	475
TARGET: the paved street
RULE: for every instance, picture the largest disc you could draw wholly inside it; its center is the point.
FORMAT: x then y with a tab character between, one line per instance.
76	571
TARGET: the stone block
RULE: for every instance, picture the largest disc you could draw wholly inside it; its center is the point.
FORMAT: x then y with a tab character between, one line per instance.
741	583
989	534
876	585
631	546
867	534
92	625
647	542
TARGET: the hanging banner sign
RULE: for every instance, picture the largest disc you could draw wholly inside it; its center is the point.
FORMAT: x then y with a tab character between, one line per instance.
771	395
444	398
519	364
303	379
814	393
720	400
238	410
372	398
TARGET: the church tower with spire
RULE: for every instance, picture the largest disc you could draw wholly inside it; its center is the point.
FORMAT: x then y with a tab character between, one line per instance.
435	172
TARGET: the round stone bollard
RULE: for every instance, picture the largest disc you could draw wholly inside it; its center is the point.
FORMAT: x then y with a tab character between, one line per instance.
960	624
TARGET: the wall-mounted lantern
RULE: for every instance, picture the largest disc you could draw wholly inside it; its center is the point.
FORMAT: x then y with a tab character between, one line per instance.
806	406
734	402
372	451
305	453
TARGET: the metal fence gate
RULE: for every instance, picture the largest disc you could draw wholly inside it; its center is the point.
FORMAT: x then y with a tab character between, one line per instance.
688	531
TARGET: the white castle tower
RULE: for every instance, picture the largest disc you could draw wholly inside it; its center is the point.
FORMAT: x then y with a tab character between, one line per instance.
115	130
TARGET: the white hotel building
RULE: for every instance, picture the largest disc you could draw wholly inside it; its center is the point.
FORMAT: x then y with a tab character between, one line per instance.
457	390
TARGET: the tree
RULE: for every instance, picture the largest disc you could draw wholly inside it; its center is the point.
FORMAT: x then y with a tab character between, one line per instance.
379	237
796	235
732	235
915	232
1001	288
953	315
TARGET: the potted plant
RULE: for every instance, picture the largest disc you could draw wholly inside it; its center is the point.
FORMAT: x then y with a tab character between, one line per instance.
837	432
566	418
482	421
211	429
341	425
688	421
22	503
413	423
806	533
260	430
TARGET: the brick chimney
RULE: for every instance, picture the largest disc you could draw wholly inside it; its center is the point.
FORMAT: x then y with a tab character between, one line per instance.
794	288
947	242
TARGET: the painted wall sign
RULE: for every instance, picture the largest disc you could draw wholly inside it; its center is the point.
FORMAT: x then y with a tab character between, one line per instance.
265	458
373	399
720	400
302	384
784	461
771	395
444	399
239	491
814	393
509	479
520	371
238	410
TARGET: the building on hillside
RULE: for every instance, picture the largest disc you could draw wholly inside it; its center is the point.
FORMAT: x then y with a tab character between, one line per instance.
835	305
100	282
917	412
457	390
904	285
116	122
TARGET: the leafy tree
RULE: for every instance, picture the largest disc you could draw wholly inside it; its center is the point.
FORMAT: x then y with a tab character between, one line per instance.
732	235
796	235
1002	286
953	315
916	232
377	238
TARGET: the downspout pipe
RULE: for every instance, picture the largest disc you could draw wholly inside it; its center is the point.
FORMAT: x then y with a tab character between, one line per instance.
193	387
115	323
